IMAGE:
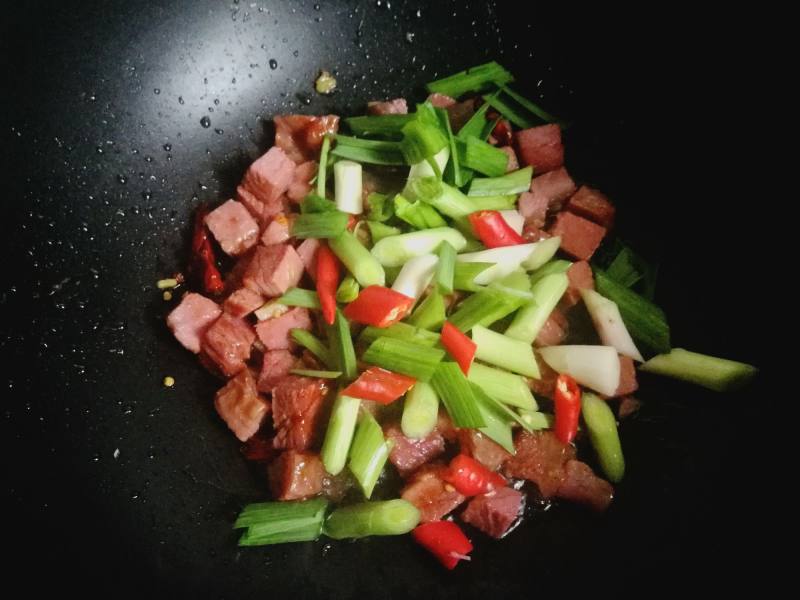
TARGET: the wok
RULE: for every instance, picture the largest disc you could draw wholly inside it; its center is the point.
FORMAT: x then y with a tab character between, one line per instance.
116	484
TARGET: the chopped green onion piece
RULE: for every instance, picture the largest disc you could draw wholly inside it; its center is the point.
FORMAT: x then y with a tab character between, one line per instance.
453	171
550	268
404	357
368	454
502	351
425	168
512	113
378	231
718	374
484	308
515	182
602	428
418	214
421	141
645	321
400	331
317	204
313	344
444	198
465	273
339	434
537	420
280	522
456	393
390	517
502	386
396	250
498	424
501	202
530	106
474	127
358	260
544	251
322	171
379	207
300	297
475	79
516	280
531	318
316	373
319	225
420	411
485	158
348	290
386	125
342	346
347	176
445	268
430	314
368	151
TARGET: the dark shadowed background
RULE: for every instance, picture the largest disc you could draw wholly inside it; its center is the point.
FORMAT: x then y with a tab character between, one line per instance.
120	486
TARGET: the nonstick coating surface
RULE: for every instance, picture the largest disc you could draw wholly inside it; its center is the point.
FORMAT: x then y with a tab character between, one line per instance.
117	484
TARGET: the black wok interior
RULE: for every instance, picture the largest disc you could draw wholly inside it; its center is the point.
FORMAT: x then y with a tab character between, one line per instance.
105	158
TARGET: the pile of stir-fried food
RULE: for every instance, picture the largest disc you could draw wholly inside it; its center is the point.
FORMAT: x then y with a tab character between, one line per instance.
413	291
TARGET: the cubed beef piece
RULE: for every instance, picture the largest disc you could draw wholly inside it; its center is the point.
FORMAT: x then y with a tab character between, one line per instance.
579	237
627	377
307	251
233	227
233	278
593	205
487	452
540	458
440	100
227	343
296	475
431	494
582	486
270	176
241	406
494	513
513	163
540	147
398	106
273	270
553	331
191	318
580	277
628	405
546	384
555	186
275	333
296	404
444	425
300	136
261	211
408	454
278	230
300	186
242	302
459	113
275	365
534	208
259	448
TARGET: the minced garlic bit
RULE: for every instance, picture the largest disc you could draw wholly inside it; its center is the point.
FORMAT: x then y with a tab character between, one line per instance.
164	284
169	381
167	296
325	83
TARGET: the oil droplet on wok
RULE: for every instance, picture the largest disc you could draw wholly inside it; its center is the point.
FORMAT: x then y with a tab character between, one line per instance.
205	122
167	147
122	179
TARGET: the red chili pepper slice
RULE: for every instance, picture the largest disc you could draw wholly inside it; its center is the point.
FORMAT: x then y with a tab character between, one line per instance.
502	132
492	229
470	477
459	346
379	385
327	282
568	408
378	306
445	540
203	261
